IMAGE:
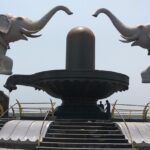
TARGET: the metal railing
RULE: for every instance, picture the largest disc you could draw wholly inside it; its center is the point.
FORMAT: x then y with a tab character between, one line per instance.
30	109
46	115
129	133
19	109
130	111
11	107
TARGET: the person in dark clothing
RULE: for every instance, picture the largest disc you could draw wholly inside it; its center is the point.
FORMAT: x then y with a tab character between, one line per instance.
101	106
107	109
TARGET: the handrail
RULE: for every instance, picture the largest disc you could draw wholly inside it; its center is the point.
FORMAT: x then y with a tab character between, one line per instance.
1	109
127	128
131	105
52	109
113	109
145	111
8	110
20	108
43	123
35	103
127	109
13	111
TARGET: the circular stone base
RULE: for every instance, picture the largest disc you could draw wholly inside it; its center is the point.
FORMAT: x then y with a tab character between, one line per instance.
78	90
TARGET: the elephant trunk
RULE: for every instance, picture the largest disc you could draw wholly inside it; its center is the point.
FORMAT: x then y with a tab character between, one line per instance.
123	29
38	25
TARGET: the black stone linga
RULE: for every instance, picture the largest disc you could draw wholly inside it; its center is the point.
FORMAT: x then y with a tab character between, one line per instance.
79	86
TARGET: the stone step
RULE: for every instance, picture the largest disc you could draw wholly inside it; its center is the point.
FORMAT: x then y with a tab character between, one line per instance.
3	121
85	140
82	127
68	148
86	123
2	124
82	120
6	119
86	145
84	131
69	135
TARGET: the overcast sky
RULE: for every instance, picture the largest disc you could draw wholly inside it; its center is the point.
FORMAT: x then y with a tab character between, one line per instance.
48	51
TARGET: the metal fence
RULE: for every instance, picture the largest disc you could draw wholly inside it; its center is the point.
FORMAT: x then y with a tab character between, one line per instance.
130	111
36	109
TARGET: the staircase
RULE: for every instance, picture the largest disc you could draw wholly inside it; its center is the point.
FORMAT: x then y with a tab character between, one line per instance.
84	135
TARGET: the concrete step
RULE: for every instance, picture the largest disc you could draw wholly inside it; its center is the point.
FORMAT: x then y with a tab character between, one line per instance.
68	148
85	123
84	131
69	135
6	119
1	124
85	140
82	127
83	134
85	145
82	120
3	121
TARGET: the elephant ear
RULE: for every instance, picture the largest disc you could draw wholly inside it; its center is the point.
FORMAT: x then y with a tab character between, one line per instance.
4	24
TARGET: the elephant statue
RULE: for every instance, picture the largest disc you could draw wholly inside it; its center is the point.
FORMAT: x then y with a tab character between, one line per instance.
138	35
145	75
14	28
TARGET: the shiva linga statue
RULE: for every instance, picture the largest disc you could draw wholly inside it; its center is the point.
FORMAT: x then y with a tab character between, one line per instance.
79	86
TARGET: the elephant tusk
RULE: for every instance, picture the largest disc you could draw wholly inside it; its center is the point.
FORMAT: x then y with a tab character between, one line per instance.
132	38
125	41
135	43
33	36
29	33
24	37
24	31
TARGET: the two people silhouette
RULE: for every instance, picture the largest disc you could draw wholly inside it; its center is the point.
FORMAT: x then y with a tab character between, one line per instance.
106	109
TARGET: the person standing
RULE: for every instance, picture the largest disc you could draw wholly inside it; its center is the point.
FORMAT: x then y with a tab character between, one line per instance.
101	106
107	109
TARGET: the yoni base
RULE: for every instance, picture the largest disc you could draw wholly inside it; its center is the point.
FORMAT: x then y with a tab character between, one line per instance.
79	109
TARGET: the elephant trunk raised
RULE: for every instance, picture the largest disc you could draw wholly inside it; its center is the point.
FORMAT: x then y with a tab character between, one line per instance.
38	25
123	29
139	35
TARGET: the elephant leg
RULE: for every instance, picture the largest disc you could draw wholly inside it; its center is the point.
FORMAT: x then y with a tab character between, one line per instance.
5	65
148	51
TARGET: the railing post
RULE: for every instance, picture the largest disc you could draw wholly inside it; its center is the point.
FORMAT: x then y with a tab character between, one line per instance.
52	108
113	109
129	117
20	108
13	111
41	112
1	110
145	111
